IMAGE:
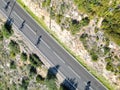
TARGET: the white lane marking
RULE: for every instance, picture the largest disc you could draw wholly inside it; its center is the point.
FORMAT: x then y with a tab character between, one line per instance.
25	24
58	56
38	50
61	46
74	72
45	44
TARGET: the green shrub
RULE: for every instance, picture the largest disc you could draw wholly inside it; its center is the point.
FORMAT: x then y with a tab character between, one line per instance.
83	36
85	21
94	56
108	59
25	82
106	49
7	33
35	60
58	18
23	56
109	66
75	26
39	78
14	47
12	65
46	3
33	71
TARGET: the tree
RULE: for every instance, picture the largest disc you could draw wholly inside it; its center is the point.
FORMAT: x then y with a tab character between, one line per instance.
25	82
32	71
14	47
39	78
35	60
7	32
23	56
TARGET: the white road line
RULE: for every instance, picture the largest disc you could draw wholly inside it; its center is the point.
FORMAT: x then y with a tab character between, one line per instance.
74	72
25	24
45	44
62	47
59	57
36	48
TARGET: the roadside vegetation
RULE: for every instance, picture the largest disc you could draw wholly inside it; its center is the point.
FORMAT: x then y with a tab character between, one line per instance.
109	12
14	48
7	32
75	26
23	56
23	68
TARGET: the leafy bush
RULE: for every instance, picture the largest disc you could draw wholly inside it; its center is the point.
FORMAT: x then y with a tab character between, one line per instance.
12	65
39	78
83	36
6	32
94	56
46	3
23	56
35	60
58	18
109	66
108	59
25	82
85	21
75	26
14	47
106	49
33	71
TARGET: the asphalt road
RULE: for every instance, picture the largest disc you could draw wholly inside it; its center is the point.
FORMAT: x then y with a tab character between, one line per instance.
69	67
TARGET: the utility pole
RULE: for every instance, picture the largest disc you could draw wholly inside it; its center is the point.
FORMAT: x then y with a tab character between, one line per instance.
12	9
10	21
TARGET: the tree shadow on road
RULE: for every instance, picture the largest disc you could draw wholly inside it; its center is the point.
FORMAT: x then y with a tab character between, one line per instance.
52	71
69	84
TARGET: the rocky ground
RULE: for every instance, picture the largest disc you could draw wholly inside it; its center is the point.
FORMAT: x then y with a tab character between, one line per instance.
95	40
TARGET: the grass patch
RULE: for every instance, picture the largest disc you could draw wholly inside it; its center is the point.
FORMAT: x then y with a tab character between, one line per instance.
41	22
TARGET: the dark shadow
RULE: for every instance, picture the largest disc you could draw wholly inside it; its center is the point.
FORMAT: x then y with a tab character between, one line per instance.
22	25
8	24
39	39
52	71
87	87
69	84
7	5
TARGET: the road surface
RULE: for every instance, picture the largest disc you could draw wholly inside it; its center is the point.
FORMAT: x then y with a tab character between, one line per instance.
69	67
